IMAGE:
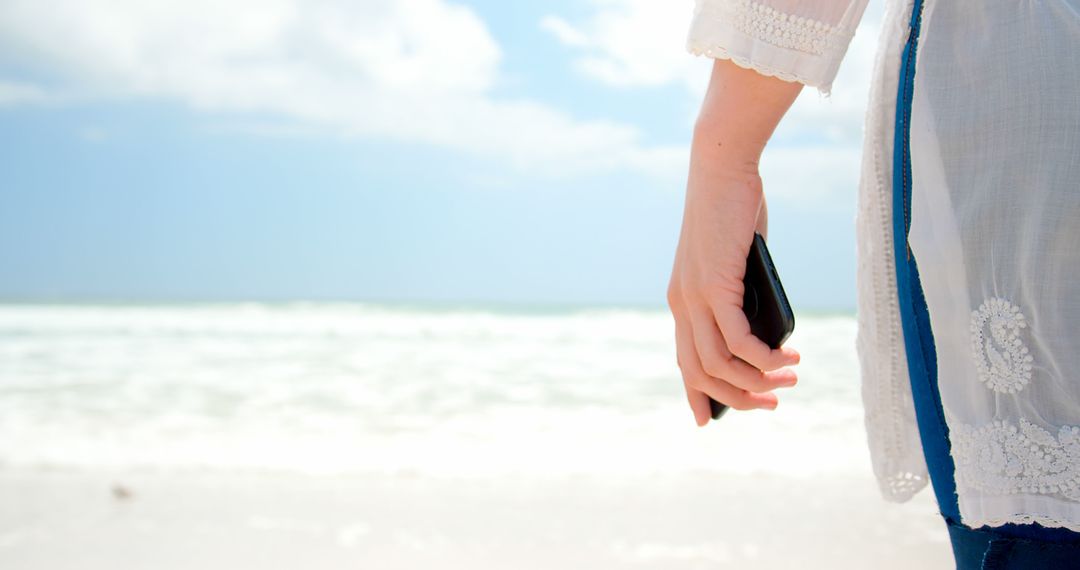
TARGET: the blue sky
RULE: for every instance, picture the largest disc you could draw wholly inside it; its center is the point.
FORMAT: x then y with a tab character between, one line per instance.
406	150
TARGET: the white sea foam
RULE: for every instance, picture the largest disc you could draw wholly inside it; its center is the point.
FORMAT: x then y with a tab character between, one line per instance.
333	388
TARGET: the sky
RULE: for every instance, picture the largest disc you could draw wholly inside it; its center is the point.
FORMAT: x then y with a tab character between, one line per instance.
385	150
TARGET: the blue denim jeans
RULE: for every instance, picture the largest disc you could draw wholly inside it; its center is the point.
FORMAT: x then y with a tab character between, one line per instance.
1008	546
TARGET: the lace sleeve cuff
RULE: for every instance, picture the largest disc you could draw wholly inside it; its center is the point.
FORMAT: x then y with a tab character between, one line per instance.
757	36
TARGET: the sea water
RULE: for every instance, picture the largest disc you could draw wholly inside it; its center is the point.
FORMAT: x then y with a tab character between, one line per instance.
387	389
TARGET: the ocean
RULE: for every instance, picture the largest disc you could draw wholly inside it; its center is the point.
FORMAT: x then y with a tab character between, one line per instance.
318	395
354	387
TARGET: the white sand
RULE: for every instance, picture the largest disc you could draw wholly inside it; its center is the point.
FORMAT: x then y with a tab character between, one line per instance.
207	520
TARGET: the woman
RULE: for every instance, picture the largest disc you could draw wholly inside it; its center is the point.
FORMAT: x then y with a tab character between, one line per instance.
968	234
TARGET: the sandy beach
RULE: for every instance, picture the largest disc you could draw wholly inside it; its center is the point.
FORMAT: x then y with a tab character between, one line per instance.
62	520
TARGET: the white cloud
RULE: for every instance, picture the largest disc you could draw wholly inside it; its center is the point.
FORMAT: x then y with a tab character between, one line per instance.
631	43
13	93
151	46
810	174
814	155
410	70
566	34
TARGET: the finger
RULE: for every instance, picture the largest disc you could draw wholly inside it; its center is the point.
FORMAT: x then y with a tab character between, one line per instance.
698	400
742	343
718	362
695	377
699	404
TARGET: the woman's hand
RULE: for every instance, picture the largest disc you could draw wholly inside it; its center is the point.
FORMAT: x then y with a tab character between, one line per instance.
725	205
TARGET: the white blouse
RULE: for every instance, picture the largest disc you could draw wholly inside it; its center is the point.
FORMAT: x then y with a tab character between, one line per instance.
995	227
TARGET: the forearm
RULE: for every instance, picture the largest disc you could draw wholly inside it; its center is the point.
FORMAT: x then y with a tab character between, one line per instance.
740	111
717	353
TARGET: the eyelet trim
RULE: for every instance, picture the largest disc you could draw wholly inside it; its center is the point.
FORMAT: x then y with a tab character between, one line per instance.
781	29
1002	360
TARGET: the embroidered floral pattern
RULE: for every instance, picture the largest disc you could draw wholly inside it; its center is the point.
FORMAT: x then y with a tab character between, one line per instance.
1001	359
781	29
1001	459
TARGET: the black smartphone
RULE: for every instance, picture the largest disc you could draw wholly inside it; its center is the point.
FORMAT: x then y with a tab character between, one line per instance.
764	303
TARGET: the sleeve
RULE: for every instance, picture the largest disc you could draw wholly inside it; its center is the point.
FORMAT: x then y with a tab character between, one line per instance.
794	40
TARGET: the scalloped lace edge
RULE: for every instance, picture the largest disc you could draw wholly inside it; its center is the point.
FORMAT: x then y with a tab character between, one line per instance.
1022	519
718	52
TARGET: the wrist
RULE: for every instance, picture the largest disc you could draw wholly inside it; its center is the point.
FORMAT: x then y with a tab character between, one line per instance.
740	111
725	145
